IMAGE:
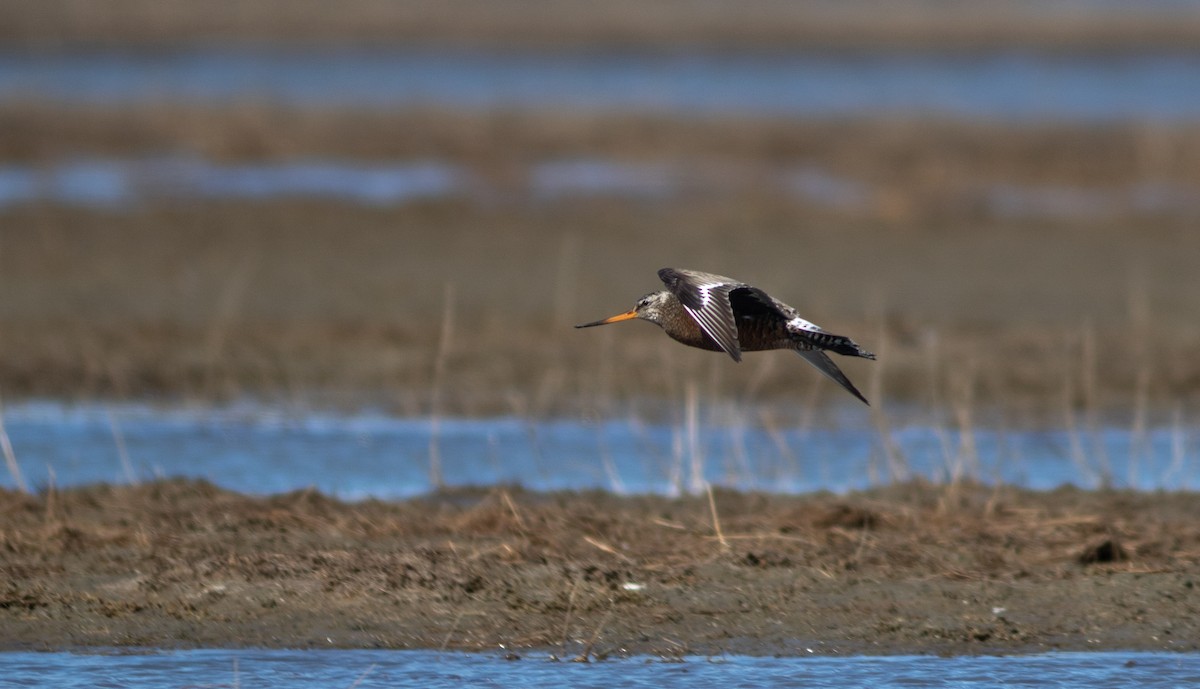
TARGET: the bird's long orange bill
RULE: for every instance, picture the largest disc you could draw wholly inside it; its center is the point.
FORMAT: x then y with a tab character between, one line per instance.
632	313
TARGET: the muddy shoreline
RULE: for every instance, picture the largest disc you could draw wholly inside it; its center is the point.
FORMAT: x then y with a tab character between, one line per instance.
912	568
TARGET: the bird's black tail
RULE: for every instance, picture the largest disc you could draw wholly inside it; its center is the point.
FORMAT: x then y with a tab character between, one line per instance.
836	344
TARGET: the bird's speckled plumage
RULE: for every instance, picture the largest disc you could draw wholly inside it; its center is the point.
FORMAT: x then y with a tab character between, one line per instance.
721	314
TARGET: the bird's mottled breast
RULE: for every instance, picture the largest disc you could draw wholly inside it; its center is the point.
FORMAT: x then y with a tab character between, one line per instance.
683	328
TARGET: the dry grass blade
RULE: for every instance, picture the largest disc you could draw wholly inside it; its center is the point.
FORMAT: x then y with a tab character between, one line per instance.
436	478
669	524
716	520
897	464
566	632
122	451
608	549
228	305
692	427
359	680
449	634
585	655
10	457
512	507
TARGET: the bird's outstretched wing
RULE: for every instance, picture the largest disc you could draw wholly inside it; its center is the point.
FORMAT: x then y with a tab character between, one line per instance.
706	299
825	365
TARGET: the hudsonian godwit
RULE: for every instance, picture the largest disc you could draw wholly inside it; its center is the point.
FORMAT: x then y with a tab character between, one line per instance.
723	315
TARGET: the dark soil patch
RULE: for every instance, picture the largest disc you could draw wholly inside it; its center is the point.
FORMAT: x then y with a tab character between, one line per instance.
908	569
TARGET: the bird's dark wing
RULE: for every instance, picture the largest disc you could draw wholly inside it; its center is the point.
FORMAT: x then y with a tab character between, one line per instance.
752	302
825	365
706	299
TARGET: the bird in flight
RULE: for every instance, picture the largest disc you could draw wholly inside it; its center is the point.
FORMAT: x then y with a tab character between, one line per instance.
721	314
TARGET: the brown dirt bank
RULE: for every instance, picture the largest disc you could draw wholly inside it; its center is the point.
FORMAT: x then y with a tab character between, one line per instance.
756	24
907	569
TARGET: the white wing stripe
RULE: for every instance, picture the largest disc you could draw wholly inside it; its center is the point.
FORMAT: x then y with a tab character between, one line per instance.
799	323
721	329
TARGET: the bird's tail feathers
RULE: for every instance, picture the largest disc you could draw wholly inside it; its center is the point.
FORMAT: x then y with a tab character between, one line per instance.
837	344
826	366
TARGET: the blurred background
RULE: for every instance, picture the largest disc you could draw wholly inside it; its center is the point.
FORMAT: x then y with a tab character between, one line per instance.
408	204
337	247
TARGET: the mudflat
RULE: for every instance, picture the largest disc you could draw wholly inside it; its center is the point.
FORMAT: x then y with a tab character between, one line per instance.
668	24
1034	310
910	568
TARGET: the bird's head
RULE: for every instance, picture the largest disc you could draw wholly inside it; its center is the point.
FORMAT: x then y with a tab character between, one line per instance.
648	308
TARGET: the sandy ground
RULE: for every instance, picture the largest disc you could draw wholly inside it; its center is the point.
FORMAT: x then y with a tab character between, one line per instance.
907	569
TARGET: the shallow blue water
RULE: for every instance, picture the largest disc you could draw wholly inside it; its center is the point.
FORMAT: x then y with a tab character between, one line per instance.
360	668
995	85
113	183
259	450
110	183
